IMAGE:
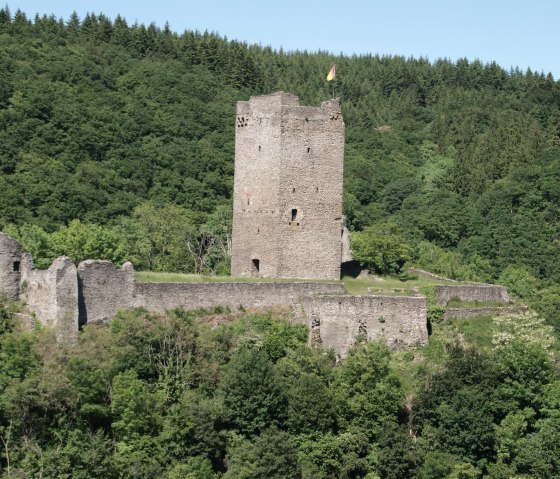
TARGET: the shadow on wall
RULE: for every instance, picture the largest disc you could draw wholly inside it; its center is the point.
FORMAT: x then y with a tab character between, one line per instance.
351	269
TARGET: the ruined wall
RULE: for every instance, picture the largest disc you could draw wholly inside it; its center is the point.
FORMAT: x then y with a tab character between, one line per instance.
52	294
158	297
474	292
104	290
466	313
10	265
287	208
337	321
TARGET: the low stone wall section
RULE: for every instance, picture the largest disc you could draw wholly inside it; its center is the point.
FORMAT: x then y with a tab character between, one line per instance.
338	321
465	313
52	295
159	297
474	292
104	290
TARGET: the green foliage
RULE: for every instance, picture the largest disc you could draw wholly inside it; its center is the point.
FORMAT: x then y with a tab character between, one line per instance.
100	118
116	143
253	398
519	281
134	407
381	248
171	396
366	389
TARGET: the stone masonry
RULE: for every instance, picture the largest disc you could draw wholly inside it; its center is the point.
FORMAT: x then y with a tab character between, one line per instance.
287	205
337	322
10	267
471	292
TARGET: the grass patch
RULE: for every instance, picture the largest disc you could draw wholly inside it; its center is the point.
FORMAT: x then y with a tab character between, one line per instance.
157	277
386	286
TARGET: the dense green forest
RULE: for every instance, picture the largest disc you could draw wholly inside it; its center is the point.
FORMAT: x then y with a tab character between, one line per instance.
237	395
117	126
116	142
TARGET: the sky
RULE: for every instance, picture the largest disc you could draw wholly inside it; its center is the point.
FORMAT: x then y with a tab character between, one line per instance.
512	33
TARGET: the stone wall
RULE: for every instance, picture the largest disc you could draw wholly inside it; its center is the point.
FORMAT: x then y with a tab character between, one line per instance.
465	313
158	297
474	292
104	290
52	294
338	321
287	199
10	265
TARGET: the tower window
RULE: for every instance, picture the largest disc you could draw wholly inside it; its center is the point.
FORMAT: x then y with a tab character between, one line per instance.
255	267
294	214
16	265
308	149
293	190
259	147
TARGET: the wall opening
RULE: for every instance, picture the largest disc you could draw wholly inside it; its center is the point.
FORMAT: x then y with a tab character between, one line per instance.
259	147
16	265
293	190
308	150
255	267
294	214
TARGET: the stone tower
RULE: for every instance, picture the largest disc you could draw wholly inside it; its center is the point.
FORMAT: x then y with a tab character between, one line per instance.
287	207
10	267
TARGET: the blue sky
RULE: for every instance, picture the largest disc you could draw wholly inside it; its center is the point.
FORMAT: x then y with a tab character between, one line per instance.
512	33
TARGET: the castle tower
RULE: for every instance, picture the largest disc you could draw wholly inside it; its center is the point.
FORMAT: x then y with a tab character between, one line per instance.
10	267
287	207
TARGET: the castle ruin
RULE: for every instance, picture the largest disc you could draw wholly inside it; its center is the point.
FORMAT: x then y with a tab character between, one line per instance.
287	195
287	223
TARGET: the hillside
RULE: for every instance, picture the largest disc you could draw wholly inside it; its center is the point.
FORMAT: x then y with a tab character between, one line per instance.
116	142
235	394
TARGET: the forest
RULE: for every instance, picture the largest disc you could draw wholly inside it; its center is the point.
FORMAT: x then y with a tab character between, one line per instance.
117	142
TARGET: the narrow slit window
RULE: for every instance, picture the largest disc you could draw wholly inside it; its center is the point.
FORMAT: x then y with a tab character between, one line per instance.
255	263
16	265
308	150
294	214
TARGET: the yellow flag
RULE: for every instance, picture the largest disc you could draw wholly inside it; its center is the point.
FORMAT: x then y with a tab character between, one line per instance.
331	74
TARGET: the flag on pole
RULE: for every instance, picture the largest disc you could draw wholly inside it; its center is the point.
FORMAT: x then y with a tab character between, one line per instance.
332	73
